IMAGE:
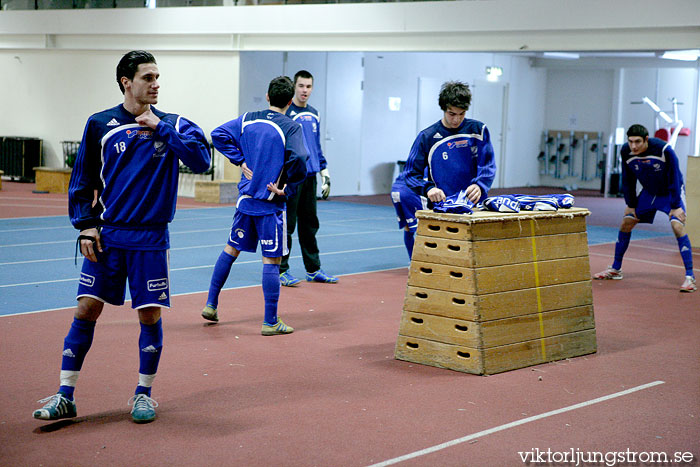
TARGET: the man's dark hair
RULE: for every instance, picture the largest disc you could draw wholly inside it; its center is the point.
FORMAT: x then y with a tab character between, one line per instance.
638	130
302	74
129	64
456	94
280	91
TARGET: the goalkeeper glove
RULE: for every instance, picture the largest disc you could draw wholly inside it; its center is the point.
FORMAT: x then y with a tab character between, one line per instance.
325	183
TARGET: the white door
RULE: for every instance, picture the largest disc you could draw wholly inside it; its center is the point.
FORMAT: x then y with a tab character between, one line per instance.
429	110
489	102
343	119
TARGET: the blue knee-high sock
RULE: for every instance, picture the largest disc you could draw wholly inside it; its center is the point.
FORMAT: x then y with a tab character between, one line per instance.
75	348
623	241
221	270
408	240
271	291
151	346
686	254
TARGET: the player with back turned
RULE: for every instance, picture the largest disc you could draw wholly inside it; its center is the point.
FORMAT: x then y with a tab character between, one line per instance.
270	148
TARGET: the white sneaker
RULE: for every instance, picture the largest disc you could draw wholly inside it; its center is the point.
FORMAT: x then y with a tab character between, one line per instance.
610	273
690	284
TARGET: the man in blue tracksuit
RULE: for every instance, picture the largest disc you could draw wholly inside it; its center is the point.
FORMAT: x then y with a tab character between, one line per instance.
270	148
301	207
653	163
121	197
451	155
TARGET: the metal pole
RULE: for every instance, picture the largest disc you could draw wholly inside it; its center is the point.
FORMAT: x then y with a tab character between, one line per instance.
608	165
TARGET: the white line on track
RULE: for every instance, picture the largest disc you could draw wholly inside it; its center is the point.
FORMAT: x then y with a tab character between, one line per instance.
187	247
205	266
507	426
43	206
204	291
72	279
645	247
66	227
655	263
61	200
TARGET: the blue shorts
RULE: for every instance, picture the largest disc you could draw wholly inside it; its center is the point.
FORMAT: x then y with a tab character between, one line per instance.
407	202
269	229
648	204
147	271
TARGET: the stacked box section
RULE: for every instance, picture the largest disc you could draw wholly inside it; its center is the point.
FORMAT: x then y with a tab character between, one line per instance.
491	292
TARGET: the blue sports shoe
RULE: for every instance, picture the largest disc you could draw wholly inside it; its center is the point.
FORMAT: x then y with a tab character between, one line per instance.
287	280
57	406
320	276
144	408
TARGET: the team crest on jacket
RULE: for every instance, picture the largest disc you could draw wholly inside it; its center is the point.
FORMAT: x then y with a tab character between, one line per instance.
160	148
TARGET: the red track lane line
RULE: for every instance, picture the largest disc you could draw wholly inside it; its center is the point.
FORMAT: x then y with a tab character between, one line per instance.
522	421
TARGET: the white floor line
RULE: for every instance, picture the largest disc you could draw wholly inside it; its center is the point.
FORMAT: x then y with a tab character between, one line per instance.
74	279
42	206
523	421
59	200
205	266
10	219
670	250
202	291
194	247
655	263
632	244
66	227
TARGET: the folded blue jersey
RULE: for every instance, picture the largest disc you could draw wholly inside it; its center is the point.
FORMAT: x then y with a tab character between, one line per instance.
455	204
515	203
503	203
544	202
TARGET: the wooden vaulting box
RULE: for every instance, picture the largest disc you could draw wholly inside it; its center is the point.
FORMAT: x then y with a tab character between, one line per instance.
491	292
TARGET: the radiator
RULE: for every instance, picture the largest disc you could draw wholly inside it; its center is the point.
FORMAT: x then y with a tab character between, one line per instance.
19	156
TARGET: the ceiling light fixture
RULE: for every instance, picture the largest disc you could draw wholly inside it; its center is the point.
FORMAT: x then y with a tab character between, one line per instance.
493	73
562	55
685	55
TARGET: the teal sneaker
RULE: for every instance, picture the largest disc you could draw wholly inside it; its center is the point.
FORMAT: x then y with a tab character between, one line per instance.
144	408
320	276
287	280
276	329
210	314
57	407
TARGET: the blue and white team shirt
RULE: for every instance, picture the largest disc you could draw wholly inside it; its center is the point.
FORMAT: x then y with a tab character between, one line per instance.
272	146
656	169
134	170
310	122
455	158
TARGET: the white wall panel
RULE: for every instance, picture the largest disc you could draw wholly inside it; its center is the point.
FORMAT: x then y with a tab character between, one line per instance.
46	97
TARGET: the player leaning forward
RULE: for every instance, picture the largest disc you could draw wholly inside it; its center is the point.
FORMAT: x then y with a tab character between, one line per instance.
653	163
130	155
452	155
